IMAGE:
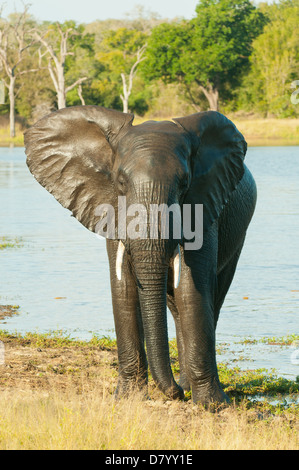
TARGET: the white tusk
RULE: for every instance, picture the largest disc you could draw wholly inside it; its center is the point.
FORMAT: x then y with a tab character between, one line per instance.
177	266
119	259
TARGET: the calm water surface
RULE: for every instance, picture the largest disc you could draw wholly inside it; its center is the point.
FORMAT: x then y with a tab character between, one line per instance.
60	258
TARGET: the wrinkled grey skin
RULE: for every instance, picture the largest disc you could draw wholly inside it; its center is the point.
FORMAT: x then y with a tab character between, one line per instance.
86	156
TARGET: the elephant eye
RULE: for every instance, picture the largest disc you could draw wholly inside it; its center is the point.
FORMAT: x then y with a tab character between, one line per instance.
122	184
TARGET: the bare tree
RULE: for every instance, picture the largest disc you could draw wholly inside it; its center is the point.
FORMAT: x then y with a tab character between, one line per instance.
56	61
128	81
80	94
14	41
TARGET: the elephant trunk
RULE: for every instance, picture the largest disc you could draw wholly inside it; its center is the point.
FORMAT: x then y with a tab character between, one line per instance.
151	268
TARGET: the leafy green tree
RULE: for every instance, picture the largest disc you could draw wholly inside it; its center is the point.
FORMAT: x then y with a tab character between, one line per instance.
274	63
211	50
81	63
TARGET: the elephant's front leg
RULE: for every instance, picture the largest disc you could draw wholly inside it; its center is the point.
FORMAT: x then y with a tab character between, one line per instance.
128	325
195	300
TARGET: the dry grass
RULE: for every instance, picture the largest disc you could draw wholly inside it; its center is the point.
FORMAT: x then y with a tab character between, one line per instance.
93	420
5	139
263	132
57	393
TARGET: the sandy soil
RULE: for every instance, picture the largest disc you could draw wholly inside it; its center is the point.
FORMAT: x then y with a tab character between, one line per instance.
30	367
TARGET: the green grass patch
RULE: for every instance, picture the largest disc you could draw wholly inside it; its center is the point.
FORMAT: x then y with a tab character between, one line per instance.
58	339
240	385
254	382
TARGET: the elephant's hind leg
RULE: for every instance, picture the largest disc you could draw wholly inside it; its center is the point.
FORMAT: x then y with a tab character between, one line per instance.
224	280
184	382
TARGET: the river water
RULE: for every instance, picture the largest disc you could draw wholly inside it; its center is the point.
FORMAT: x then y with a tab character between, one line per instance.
60	276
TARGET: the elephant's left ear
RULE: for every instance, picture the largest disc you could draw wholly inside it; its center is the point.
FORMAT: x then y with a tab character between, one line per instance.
217	161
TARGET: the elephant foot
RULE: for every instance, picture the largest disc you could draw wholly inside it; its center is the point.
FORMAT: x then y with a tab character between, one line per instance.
184	383
209	394
129	387
175	392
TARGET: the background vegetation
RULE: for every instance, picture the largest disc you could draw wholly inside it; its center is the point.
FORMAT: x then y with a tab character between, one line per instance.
233	56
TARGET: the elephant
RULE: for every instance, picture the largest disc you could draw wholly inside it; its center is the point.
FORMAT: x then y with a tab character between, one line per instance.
87	156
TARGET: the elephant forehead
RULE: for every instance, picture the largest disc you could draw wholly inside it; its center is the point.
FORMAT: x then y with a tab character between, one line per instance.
151	157
157	140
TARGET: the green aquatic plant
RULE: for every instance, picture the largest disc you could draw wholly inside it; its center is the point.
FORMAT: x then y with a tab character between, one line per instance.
255	382
8	311
274	340
9	242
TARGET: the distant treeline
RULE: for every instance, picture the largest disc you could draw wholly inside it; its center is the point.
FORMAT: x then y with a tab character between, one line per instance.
233	56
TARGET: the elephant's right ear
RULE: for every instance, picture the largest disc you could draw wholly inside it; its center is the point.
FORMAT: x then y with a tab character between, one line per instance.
70	153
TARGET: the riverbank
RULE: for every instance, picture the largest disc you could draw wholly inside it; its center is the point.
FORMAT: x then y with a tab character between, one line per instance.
57	393
269	132
6	140
264	132
257	132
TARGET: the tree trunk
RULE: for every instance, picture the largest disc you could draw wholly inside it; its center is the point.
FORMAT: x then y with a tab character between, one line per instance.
80	94
126	92
212	95
11	93
61	98
125	105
